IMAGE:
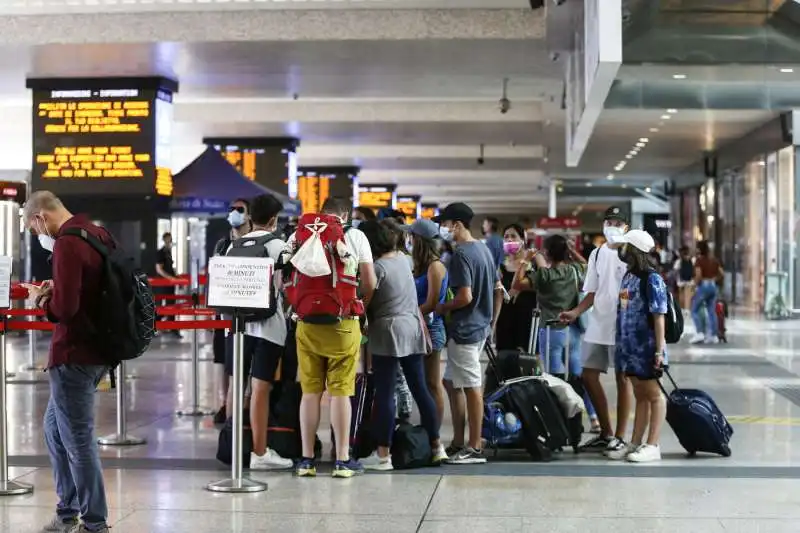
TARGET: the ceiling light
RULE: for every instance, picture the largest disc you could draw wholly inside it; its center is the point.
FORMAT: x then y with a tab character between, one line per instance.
653	130
672	111
629	156
679	76
641	145
644	140
787	70
665	117
624	186
588	184
648	189
610	177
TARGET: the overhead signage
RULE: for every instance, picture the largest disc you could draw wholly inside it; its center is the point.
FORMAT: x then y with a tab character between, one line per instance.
558	223
429	211
591	69
239	282
313	190
377	196
13	191
410	206
198	205
266	161
101	140
5	281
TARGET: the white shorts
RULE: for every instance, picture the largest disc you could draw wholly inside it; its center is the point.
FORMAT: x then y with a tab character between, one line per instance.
463	367
597	356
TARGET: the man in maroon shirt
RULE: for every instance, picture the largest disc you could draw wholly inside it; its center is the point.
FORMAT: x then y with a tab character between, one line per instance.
75	367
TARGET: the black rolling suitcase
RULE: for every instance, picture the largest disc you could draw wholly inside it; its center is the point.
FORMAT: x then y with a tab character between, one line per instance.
697	421
574	424
510	364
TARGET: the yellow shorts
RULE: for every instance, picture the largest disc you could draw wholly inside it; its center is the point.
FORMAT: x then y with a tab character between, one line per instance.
327	356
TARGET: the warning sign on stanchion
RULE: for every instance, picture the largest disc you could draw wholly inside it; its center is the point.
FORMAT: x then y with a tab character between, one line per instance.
236	285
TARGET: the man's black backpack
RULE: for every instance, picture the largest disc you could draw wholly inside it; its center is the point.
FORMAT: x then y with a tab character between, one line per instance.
127	321
256	247
673	320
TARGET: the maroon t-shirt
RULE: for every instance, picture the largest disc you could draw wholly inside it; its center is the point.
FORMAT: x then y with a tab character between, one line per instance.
77	282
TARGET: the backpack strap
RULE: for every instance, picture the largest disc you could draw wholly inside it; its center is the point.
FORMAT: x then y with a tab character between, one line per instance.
90	239
644	293
261	240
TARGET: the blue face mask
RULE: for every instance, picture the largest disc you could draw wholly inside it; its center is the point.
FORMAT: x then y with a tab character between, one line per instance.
355	223
445	234
236	219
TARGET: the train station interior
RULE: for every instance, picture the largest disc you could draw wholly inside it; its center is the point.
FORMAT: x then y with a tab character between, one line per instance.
539	113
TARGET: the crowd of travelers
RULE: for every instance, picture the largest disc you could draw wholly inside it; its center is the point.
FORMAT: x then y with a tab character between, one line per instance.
407	295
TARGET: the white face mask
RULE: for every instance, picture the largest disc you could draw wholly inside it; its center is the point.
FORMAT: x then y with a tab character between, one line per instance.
47	242
611	232
355	223
236	219
446	233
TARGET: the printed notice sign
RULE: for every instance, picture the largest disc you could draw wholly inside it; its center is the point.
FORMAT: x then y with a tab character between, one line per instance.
239	282
5	282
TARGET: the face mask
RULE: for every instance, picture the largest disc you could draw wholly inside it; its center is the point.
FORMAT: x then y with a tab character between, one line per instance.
512	247
236	219
610	232
47	242
445	234
355	223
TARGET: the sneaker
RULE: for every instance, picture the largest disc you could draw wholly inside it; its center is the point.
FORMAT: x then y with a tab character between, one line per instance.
452	450
621	451
698	338
614	445
439	455
221	417
306	468
712	339
467	456
597	444
61	525
646	453
269	461
81	528
347	469
378	463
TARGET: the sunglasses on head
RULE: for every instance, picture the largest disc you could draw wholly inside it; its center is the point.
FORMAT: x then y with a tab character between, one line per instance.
238	209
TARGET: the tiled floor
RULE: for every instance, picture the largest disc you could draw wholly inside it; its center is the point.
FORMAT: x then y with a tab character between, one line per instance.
159	487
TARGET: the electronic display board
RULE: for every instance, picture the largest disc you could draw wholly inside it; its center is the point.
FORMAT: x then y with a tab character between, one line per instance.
265	161
313	190
410	207
377	196
101	140
13	191
429	211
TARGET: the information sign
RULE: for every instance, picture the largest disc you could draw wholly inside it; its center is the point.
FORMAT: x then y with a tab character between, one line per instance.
239	282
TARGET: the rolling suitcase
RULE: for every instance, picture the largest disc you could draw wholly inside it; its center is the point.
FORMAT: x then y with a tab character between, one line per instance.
574	424
697	421
510	364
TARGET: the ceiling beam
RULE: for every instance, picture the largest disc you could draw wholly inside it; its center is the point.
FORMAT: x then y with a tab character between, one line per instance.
272	25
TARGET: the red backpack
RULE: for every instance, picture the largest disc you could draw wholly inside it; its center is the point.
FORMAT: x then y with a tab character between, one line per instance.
320	294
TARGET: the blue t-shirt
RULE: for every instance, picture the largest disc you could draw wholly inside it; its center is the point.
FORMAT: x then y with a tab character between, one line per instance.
636	342
495	244
472	266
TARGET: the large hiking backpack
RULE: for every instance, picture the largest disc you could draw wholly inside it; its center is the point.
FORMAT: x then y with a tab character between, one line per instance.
127	320
256	247
323	282
673	320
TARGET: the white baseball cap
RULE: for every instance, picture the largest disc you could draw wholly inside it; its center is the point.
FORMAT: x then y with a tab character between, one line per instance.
638	238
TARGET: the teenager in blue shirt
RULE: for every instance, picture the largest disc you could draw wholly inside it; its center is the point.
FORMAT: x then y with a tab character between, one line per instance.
640	342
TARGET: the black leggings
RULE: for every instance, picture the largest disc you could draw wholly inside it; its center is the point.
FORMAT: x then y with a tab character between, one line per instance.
384	372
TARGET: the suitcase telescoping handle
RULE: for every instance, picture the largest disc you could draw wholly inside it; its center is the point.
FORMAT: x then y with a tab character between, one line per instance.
492	356
533	338
669	377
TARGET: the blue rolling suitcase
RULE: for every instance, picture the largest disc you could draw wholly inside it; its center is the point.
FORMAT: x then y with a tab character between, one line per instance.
697	421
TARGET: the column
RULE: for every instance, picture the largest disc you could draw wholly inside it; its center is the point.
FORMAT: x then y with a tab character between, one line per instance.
552	210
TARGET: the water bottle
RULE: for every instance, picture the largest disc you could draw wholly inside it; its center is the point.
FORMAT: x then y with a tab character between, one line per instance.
512	423
499	422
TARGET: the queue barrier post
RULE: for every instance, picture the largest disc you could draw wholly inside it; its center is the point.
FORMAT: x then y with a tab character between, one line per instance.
194	409
7	486
237	482
121	437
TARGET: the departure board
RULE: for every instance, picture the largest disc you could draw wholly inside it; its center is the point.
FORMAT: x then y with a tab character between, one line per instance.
429	211
262	160
376	196
100	141
312	191
409	206
242	159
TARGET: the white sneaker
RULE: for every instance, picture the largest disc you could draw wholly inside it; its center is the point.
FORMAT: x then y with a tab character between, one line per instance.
698	338
439	455
612	445
621	452
376	462
646	453
712	339
269	461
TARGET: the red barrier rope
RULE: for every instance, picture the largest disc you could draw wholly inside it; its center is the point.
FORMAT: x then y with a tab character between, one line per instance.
24	325
18	292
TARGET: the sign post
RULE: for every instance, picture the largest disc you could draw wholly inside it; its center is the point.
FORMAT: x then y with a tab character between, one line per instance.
236	284
7	487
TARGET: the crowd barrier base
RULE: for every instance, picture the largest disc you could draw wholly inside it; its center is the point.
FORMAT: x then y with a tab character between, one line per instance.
121	437
7	486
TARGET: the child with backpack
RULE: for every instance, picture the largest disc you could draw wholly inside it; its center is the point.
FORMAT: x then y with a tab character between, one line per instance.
644	302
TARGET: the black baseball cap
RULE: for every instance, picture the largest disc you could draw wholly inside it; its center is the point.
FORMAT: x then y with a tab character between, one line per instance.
457	212
615	213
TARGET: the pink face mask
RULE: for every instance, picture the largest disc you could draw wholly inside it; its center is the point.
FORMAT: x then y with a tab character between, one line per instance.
512	247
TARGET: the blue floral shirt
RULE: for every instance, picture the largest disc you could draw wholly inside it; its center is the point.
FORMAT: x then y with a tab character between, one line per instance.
636	343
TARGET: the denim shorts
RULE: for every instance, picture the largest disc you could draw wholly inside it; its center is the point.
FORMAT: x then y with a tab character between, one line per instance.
438	335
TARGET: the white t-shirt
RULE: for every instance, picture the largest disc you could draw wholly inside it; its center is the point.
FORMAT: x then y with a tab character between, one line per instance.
355	240
604	278
272	329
